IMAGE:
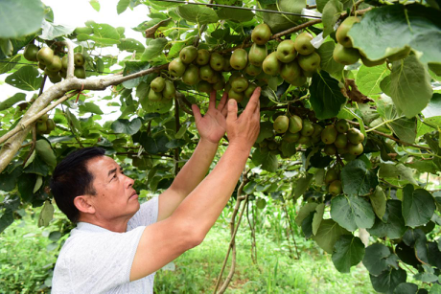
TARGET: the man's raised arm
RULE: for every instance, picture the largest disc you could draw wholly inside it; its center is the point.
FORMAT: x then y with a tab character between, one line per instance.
211	127
165	240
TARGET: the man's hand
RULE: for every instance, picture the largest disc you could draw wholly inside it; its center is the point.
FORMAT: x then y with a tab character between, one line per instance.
245	129
212	125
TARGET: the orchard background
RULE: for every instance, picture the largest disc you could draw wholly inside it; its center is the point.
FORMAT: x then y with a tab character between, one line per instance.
349	149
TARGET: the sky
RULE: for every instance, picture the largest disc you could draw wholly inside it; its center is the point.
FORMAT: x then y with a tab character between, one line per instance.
74	13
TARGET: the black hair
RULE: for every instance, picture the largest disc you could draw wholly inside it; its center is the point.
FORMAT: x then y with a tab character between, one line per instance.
71	178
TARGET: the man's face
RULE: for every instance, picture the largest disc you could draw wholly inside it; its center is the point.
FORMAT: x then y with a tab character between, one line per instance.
115	197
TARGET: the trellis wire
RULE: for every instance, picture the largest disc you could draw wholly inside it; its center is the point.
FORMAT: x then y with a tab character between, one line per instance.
242	8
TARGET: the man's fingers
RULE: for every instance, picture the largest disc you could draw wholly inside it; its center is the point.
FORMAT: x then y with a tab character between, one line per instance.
223	102
212	104
253	102
232	110
196	112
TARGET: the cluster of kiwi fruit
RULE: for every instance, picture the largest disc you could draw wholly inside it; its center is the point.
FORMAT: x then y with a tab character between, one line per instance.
161	88
341	139
45	125
54	66
346	54
332	181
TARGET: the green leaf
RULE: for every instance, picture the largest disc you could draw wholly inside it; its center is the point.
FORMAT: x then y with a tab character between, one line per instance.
387	281
327	62
404	128
418	206
386	30
12	100
331	13
26	183
6	219
20	18
305	211
375	258
38	166
368	79
436	288
328	234
357	179
352	212
279	22
52	31
436	148
162	106
378	201
318	217
122	6
302	185
349	251
132	67
27	78
9	64
409	86
155	145
103	34
91	107
154	48
126	127
307	225
266	131
8	180
398	171
45	152
46	214
326	97
197	14
95	5
392	225
235	14
406	288
266	159
423	166
131	45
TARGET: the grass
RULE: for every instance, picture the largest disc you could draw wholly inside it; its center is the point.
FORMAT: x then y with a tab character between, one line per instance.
276	272
28	254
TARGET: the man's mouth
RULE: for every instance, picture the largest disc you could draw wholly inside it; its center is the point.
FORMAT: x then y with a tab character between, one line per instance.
134	195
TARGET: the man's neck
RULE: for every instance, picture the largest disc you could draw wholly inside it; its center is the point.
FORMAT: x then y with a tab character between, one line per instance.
117	226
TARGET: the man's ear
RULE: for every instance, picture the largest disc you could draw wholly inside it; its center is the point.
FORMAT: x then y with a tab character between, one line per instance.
84	205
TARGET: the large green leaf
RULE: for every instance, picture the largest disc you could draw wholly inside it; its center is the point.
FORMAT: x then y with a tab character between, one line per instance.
392	225
406	288
235	14
20	17
154	48
132	67
131	45
349	251
404	128
12	100
399	171
52	31
388	280
197	14
126	127
358	179
279	22
327	62
368	79
331	13
378	201
103	34
122	6
385	30
266	159
8	64
91	107
326	96
432	113
27	78
352	212
376	258
305	211
408	85
328	234
418	206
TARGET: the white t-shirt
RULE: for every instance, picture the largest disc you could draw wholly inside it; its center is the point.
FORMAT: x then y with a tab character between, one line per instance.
96	260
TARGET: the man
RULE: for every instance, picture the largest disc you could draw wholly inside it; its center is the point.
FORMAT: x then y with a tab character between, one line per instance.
118	245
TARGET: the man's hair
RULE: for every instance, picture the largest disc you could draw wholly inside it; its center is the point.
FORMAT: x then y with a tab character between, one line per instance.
71	178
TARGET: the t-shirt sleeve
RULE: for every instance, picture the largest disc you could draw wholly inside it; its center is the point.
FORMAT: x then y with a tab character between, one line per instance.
146	215
97	262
